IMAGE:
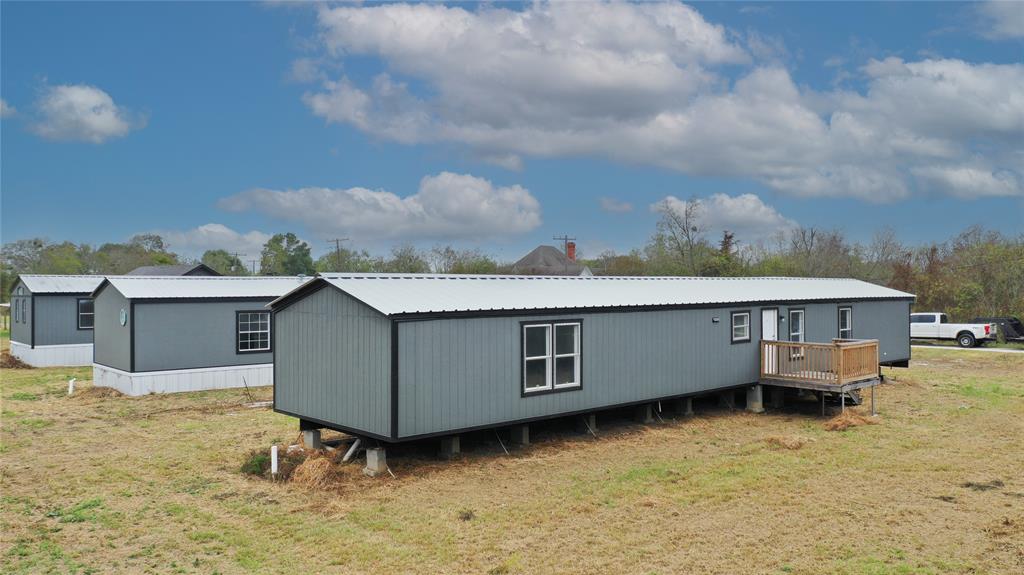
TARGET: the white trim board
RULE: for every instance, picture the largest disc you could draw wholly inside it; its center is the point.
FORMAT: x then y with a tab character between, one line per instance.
66	355
183	380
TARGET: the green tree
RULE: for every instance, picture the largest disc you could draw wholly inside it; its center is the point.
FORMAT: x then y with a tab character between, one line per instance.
286	255
448	260
345	260
225	263
404	259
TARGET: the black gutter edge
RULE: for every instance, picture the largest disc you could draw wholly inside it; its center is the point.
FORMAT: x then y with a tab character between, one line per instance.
335	426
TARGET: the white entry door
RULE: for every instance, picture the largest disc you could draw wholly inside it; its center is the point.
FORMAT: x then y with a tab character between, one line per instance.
769	332
770	324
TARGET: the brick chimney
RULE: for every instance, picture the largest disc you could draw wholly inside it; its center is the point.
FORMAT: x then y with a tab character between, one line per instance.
570	249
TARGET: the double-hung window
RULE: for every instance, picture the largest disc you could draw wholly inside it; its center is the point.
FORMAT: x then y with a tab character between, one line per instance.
253	331
551	356
846	323
796	325
86	314
740	326
796	331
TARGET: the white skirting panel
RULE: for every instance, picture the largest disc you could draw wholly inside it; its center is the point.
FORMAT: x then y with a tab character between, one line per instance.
182	380
53	355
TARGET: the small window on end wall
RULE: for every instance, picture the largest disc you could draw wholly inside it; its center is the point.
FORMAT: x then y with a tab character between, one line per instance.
796	325
846	323
253	334
740	326
86	314
551	356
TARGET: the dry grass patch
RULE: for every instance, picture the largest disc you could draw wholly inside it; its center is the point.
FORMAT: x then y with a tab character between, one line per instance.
847	419
316	472
787	441
153	485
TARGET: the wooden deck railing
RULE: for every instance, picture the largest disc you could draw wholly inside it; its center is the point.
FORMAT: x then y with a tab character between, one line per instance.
836	363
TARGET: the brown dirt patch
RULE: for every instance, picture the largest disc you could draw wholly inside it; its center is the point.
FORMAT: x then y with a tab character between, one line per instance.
97	393
848	419
8	361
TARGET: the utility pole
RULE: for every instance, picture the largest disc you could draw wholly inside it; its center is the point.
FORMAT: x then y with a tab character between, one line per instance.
565	242
253	266
235	255
565	239
337	251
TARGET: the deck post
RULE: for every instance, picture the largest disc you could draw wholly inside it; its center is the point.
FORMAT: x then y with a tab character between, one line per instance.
311	439
376	462
521	434
644	413
873	412
778	397
755	399
450	446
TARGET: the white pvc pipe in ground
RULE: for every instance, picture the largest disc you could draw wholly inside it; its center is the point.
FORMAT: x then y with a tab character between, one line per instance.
71	385
273	460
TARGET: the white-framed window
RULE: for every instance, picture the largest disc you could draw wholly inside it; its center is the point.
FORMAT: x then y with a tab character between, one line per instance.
24	310
796	325
253	331
536	357
86	313
567	355
740	326
551	356
846	323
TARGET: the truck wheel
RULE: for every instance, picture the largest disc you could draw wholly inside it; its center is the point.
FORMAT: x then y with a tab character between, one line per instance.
965	340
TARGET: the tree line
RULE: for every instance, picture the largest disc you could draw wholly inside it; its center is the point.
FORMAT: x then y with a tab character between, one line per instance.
978	272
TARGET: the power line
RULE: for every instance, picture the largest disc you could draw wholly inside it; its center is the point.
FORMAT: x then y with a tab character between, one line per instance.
565	242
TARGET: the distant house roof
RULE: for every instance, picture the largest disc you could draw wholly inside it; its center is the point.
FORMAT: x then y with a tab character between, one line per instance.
549	261
397	294
43	283
201	287
175	270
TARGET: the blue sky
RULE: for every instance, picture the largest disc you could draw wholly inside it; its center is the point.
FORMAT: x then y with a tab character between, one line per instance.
499	126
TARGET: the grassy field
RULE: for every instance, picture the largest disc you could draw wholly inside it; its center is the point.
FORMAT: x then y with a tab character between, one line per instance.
96	484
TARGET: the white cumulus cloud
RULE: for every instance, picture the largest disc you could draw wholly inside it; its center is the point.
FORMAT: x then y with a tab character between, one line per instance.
195	241
1002	20
6	110
446	206
745	215
83	113
657	84
613	206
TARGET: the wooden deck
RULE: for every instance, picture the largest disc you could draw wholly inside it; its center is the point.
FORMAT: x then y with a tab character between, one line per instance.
841	367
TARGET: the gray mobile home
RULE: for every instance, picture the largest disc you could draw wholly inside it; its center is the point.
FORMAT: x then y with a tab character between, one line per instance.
52	319
199	269
402	357
184	333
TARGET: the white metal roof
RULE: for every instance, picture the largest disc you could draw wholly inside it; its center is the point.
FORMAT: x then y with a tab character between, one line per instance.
43	283
429	293
167	287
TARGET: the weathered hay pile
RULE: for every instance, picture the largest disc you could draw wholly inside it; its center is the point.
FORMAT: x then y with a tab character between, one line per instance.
848	419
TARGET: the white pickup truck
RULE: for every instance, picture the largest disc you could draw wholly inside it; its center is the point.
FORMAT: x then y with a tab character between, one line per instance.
933	325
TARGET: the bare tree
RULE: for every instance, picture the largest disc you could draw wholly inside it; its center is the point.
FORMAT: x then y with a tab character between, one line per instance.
683	227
